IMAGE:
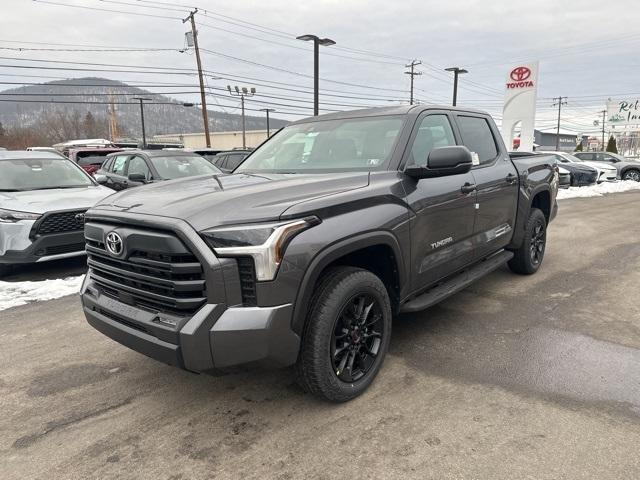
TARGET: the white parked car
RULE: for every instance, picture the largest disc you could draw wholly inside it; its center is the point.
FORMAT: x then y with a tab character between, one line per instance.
42	205
606	173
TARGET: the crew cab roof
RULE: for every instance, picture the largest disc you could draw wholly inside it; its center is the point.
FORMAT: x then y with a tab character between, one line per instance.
378	111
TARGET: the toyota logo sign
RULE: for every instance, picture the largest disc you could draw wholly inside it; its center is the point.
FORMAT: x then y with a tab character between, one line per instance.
114	243
520	74
520	77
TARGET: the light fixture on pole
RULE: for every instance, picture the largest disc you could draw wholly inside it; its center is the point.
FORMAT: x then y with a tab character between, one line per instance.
267	110
242	92
144	135
325	42
456	71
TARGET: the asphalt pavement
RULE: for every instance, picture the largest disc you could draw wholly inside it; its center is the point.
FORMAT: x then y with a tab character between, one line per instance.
514	378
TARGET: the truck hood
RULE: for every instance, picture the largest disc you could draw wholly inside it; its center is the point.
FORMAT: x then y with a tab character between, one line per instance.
210	201
42	201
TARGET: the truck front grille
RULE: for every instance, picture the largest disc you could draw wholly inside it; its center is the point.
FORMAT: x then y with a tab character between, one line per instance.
60	222
155	281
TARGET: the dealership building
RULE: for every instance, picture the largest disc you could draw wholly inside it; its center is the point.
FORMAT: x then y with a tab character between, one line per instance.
546	140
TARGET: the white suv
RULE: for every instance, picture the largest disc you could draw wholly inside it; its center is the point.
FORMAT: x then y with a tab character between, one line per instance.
42	203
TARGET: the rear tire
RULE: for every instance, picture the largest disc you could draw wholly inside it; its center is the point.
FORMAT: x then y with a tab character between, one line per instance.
528	258
346	336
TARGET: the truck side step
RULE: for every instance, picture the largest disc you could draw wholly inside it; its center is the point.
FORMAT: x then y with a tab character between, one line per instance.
457	283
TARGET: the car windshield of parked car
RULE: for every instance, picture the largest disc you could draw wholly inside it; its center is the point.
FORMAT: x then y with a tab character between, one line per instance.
170	167
349	144
20	174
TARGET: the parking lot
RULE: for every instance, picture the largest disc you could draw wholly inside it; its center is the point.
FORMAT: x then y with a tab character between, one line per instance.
515	377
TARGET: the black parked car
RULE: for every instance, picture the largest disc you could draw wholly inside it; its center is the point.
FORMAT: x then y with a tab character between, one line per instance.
581	175
136	167
229	161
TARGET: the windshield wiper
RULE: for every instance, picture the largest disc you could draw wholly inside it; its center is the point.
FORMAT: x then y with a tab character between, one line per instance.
64	186
10	190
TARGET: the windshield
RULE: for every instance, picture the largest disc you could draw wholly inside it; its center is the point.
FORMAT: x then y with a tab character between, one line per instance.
327	146
183	166
37	174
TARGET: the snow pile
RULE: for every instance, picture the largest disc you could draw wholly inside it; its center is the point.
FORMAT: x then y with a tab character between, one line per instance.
598	190
13	294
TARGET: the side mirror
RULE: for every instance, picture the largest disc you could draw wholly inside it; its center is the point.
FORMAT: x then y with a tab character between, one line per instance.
443	161
138	177
101	179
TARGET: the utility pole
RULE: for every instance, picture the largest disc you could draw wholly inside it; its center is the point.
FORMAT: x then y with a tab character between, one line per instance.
412	74
203	98
317	41
267	110
242	92
113	121
604	119
559	101
144	135
456	72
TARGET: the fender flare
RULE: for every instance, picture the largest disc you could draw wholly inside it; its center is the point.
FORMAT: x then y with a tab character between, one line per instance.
330	254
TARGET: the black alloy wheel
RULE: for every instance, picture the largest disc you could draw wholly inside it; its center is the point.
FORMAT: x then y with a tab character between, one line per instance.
357	338
538	241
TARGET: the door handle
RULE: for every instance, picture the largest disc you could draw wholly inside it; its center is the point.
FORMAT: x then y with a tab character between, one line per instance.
468	188
511	179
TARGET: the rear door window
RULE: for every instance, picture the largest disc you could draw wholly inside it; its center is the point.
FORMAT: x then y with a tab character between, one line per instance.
478	137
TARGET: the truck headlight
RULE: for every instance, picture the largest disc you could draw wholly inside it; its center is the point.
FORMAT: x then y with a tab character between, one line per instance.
12	216
265	243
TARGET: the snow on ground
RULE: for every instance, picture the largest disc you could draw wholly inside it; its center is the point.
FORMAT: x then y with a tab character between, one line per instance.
598	190
13	294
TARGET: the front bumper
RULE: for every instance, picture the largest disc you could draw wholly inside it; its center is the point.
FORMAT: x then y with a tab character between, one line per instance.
221	332
18	248
608	176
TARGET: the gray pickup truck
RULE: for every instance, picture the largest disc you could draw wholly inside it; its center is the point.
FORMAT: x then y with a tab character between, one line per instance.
304	254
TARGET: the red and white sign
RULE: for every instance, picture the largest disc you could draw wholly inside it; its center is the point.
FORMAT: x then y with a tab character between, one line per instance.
519	112
520	78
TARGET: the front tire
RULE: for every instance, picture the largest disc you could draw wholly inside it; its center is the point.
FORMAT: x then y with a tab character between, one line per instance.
528	258
632	174
346	336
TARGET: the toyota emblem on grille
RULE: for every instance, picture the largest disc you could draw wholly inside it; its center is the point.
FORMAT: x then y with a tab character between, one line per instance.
79	217
114	243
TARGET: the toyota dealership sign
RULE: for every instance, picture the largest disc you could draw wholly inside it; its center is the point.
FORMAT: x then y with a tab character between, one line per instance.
519	112
520	78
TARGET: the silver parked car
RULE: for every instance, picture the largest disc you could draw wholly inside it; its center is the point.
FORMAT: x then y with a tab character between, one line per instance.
42	205
627	169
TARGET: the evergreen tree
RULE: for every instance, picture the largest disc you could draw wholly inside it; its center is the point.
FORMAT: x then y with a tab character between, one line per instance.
612	145
89	125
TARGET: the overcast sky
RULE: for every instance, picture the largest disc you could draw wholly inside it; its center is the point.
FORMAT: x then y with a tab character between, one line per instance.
587	49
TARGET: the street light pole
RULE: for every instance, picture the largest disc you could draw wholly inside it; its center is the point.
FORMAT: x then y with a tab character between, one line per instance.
267	110
316	65
456	71
242	92
144	135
